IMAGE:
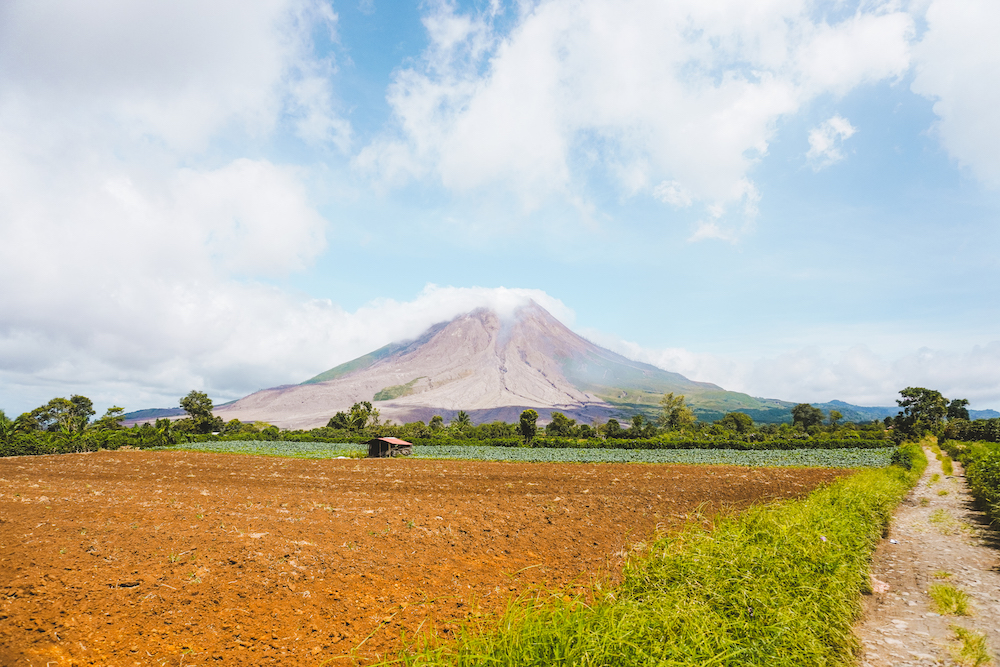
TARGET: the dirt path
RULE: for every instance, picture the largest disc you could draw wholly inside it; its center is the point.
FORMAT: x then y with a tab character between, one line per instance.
937	537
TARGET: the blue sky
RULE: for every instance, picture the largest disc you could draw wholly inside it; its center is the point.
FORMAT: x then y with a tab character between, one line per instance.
793	199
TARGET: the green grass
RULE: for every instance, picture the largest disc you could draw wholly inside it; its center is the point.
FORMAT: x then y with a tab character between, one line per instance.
948	600
972	650
946	466
396	391
777	585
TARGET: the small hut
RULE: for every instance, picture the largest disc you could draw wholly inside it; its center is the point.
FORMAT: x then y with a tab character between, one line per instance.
383	447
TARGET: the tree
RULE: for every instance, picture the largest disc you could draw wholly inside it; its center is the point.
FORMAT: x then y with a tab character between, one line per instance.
362	415
80	413
737	421
112	419
199	408
923	410
67	415
528	425
957	409
835	416
674	413
560	425
641	427
461	421
437	423
7	428
805	415
613	429
165	430
339	421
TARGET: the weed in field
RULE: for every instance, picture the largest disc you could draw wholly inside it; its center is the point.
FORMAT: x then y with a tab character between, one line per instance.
942	574
949	601
947	524
943	492
924	502
972	651
934	479
172	558
195	579
946	466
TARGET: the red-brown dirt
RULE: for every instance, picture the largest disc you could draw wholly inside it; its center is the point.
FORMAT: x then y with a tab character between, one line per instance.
171	558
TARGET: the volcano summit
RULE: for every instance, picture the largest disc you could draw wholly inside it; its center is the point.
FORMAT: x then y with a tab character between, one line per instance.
493	368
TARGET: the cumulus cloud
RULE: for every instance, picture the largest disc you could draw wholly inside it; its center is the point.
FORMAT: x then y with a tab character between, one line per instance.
174	73
673	193
826	140
956	64
657	94
231	340
131	243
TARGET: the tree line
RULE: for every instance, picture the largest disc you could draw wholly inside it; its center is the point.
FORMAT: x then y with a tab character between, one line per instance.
66	425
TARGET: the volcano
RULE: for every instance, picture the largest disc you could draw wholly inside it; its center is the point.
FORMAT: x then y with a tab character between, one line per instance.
493	368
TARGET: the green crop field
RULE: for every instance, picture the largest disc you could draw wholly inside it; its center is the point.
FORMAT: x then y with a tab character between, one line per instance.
829	458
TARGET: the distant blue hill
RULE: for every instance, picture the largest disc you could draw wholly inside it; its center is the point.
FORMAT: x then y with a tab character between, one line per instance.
858	413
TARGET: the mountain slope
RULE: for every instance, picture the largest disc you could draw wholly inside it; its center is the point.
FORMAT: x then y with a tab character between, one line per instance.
493	368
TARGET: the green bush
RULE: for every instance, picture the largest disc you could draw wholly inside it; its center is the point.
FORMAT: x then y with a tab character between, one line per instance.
983	476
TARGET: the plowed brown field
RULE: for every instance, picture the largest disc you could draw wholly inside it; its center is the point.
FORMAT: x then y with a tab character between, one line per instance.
171	558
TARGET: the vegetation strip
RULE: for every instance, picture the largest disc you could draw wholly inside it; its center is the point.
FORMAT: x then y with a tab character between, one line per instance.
826	458
982	472
776	585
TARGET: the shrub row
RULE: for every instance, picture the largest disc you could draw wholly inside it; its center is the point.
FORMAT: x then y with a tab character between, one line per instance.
980	430
32	444
982	472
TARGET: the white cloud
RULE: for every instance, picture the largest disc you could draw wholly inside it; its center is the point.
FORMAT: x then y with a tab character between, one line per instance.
825	141
150	344
132	231
818	374
673	193
957	63
657	94
173	73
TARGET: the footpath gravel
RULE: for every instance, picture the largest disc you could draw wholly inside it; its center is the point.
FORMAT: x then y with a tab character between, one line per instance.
937	537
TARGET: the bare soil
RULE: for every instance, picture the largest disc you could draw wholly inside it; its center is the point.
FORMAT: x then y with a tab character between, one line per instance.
937	536
175	558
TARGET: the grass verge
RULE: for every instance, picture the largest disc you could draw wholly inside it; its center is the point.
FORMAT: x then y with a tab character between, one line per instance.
777	585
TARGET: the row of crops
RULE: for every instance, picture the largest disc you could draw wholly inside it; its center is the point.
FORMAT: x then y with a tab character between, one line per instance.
833	458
